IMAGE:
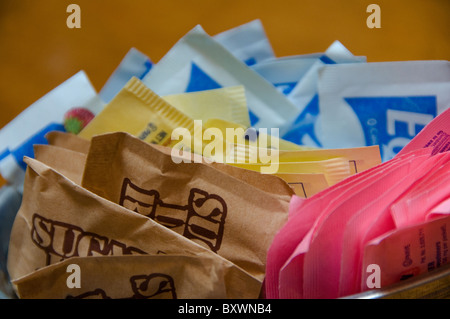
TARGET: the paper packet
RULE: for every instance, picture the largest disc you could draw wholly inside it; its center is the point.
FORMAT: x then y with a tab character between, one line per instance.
247	42
139	277
284	73
408	252
381	103
228	104
192	199
197	62
140	112
134	64
306	130
302	219
59	220
68	140
45	115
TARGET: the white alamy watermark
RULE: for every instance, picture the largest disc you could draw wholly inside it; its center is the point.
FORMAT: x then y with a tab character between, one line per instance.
374	279
73	21
374	19
220	148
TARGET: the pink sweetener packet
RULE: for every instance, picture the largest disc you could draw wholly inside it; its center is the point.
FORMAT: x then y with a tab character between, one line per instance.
297	226
440	210
413	207
375	218
435	134
321	278
406	252
302	218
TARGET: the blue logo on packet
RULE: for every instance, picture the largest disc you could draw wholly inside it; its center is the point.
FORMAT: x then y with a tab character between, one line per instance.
304	125
285	87
392	122
26	149
200	81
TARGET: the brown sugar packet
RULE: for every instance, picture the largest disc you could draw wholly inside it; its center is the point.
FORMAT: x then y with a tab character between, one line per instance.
68	140
68	162
59	219
266	182
218	211
138	277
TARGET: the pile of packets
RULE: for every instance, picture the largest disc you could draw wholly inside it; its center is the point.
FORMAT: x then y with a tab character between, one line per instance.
223	171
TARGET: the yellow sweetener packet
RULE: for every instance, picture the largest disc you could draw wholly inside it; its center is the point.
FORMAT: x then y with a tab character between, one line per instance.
139	111
335	169
234	133
359	158
228	103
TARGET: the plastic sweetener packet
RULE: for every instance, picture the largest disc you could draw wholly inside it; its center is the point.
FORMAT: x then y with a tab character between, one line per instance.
375	219
407	252
228	104
45	226
197	62
45	115
134	64
435	135
212	210
305	130
381	103
247	42
140	277
298	225
329	228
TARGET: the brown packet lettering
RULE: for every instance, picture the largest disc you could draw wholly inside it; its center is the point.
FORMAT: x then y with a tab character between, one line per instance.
138	277
68	140
59	219
65	161
218	211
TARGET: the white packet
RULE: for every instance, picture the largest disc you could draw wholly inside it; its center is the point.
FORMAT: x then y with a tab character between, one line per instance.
247	42
197	62
305	129
135	64
284	73
381	103
47	114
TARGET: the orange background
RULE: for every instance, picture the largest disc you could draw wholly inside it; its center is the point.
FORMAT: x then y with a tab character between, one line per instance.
38	51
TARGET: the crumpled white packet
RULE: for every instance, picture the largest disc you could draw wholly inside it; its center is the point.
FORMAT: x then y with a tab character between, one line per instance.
285	72
306	128
44	115
135	63
247	42
197	62
381	103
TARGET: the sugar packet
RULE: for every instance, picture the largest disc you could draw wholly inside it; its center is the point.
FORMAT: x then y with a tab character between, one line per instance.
195	200
198	62
247	42
134	64
381	103
45	115
304	95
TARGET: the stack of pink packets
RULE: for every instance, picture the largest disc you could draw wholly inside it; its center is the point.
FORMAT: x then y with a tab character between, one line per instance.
371	230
